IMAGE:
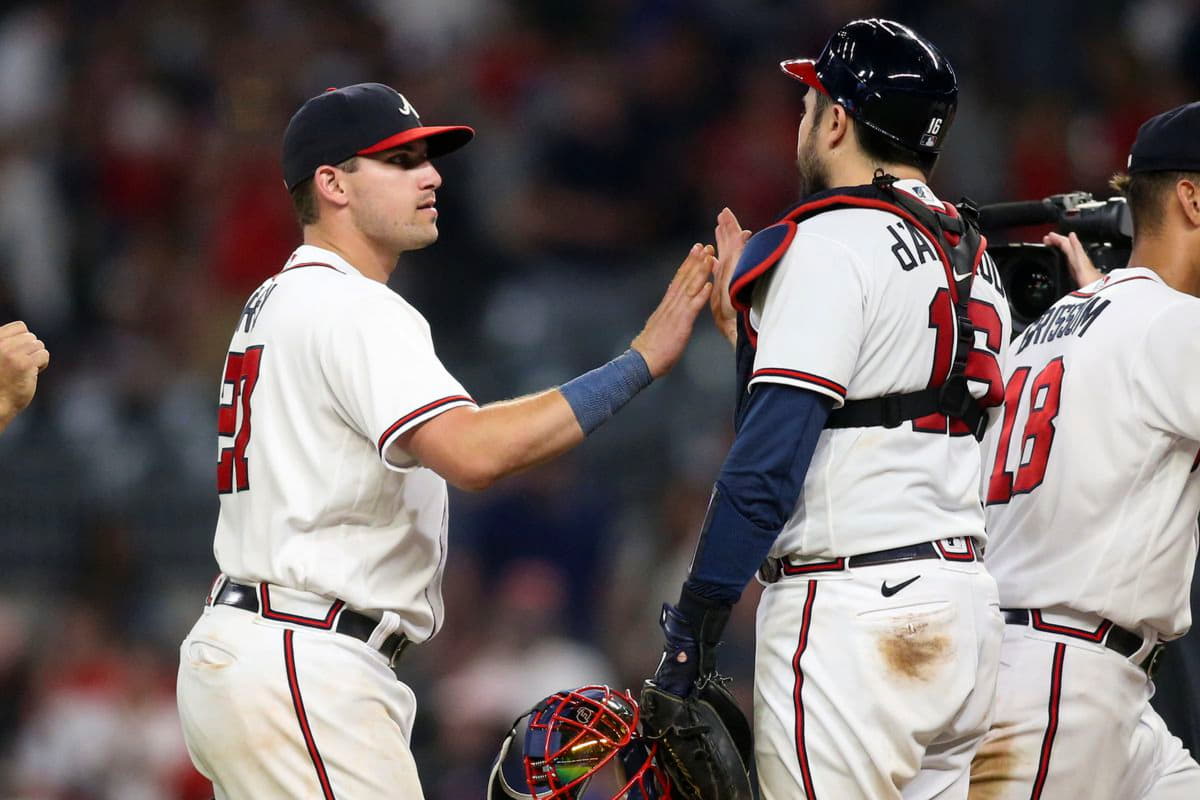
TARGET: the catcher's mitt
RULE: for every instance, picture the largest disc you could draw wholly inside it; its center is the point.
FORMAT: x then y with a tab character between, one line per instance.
705	743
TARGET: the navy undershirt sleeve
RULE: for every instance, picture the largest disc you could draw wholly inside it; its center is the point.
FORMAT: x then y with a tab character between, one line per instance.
757	489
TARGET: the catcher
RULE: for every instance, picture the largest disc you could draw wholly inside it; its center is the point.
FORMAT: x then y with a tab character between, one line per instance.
852	483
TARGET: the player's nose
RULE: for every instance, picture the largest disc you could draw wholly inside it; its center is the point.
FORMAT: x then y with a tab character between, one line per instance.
430	177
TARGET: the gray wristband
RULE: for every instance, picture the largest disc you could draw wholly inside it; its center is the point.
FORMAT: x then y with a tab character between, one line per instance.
597	395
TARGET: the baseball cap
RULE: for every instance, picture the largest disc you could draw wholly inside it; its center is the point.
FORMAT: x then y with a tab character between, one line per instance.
889	78
358	120
1168	142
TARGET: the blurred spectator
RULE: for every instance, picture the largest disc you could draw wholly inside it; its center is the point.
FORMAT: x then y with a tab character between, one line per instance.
101	723
526	654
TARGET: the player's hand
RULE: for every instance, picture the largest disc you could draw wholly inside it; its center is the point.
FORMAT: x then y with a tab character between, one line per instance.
1083	271
668	329
22	357
731	240
679	666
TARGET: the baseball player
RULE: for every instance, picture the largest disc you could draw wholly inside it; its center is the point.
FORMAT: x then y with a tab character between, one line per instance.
23	356
338	431
1092	498
851	484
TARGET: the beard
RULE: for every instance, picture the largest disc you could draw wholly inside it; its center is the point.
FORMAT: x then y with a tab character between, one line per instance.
812	174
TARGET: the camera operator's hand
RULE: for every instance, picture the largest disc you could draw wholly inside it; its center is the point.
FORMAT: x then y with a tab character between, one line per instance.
1083	271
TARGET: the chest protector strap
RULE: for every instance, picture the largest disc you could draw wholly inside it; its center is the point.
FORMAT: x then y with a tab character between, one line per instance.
959	245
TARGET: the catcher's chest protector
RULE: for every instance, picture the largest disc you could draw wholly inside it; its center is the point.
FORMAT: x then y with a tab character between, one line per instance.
959	246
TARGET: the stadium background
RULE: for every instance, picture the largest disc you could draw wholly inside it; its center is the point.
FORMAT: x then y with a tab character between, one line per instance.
142	201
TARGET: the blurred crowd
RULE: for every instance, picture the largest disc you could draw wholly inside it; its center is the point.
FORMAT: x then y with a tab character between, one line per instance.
143	200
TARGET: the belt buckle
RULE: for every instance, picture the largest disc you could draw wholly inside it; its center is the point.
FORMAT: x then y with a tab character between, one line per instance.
1152	663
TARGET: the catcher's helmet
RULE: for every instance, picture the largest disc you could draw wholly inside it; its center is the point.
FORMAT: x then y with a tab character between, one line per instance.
887	77
570	737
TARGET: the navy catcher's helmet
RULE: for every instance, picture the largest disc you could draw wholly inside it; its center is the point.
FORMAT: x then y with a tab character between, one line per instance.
887	77
572	736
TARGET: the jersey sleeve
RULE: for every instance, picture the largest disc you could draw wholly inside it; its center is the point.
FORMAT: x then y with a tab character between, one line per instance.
811	318
381	366
1165	375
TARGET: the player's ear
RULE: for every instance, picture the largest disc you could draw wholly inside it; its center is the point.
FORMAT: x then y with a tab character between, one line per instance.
1187	192
327	184
836	124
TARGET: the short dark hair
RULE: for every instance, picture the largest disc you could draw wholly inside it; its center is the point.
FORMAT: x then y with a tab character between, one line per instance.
879	147
1146	193
304	197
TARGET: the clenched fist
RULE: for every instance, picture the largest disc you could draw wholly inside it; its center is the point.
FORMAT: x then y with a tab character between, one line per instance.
22	357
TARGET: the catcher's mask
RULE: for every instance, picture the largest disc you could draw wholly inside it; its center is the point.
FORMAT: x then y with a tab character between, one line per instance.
570	737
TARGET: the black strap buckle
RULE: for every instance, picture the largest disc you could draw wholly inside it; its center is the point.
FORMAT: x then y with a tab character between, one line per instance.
954	397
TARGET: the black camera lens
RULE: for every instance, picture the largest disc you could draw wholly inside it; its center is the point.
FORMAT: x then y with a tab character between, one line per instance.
1033	286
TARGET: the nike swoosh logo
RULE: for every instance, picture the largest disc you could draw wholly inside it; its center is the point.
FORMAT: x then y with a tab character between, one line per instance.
888	591
963	277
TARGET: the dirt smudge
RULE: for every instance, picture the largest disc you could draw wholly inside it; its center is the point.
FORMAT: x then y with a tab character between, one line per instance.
994	770
913	649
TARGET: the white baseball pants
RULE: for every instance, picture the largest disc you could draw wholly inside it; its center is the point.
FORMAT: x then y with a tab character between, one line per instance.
862	695
272	710
1073	720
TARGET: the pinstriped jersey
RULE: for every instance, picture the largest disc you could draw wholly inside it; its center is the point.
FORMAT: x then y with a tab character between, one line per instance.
326	370
859	307
1091	480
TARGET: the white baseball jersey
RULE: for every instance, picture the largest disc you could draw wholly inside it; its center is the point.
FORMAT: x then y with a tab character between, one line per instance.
327	368
859	307
1092	484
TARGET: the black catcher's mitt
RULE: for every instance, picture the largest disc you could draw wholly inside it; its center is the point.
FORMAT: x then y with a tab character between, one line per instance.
705	743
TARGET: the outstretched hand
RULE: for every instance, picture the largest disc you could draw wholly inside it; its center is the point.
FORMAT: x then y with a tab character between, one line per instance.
1083	271
731	240
22	358
663	339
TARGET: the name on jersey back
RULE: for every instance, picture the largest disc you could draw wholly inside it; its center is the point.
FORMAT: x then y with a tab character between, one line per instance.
1065	319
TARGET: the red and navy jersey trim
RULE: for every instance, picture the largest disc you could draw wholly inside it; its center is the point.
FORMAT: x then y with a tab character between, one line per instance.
967	554
264	598
1038	624
412	415
1052	710
816	566
291	267
797	698
289	660
797	375
1108	284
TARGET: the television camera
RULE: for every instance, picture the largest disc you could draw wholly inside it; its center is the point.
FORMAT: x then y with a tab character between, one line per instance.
1035	276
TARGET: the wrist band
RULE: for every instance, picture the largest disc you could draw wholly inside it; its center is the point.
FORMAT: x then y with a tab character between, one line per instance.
597	395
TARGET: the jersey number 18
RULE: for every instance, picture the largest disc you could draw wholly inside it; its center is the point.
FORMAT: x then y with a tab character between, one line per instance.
1038	437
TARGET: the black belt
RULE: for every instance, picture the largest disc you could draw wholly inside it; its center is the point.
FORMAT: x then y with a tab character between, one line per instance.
775	568
1124	641
351	623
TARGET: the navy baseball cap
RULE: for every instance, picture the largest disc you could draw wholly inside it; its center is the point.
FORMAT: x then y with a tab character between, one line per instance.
1169	142
358	120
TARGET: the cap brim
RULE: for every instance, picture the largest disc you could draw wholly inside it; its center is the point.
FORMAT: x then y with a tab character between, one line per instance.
442	139
805	71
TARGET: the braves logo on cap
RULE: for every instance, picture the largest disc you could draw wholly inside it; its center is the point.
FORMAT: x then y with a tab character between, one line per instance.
406	107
